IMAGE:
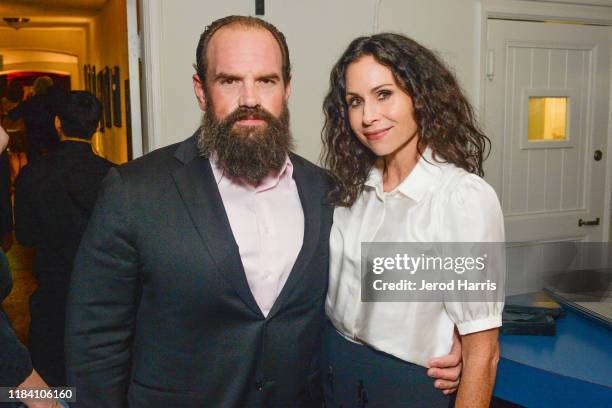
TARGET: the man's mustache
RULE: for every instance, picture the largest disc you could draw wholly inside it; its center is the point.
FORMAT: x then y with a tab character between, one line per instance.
242	113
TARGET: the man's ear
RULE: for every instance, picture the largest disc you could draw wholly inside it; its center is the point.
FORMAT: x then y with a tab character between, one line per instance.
58	124
198	88
288	89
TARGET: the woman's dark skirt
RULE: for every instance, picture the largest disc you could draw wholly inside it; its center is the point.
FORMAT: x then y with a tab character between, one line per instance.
357	376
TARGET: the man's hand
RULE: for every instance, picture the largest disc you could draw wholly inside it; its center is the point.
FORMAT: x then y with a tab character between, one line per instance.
447	369
44	404
34	382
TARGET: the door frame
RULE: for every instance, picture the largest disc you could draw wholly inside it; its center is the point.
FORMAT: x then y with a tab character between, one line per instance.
150	43
138	135
546	11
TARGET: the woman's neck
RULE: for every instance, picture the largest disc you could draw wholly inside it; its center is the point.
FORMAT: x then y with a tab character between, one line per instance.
399	164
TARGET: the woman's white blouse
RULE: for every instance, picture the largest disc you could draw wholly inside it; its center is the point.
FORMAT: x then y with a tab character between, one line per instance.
437	202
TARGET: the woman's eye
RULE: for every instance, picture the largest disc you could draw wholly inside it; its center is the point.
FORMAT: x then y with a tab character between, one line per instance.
382	95
354	102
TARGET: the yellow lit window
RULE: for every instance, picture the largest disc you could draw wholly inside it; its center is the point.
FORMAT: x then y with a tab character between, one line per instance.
547	118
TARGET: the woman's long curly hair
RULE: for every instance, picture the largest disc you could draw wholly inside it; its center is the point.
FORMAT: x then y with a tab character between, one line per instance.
444	117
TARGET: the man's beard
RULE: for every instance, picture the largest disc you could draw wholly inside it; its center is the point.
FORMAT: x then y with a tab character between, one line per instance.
248	153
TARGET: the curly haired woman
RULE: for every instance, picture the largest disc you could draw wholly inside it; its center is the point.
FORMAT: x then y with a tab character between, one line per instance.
406	154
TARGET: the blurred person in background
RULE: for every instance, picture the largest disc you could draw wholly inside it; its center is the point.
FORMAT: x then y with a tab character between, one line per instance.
37	113
54	198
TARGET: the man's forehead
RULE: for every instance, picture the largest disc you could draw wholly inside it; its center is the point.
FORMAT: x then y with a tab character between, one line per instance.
239	47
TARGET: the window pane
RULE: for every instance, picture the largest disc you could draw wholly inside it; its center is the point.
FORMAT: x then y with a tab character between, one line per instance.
547	118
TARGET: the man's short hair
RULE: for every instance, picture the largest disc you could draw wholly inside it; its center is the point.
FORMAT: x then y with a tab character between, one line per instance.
201	65
41	84
80	114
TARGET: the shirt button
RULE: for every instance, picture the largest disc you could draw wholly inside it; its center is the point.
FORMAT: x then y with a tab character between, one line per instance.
259	385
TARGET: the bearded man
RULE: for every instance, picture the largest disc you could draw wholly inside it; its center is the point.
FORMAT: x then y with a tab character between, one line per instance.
201	279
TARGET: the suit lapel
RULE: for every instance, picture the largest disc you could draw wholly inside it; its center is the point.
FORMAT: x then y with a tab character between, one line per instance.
310	197
198	189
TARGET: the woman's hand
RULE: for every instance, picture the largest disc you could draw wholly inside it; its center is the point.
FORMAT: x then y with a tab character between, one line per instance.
447	369
480	357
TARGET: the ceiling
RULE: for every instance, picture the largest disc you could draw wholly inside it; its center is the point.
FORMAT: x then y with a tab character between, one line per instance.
46	4
50	10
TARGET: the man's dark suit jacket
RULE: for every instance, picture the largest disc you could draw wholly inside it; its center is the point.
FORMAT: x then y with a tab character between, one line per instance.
54	198
160	313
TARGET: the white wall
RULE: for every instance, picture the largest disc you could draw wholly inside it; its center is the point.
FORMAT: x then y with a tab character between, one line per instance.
313	32
452	28
314	38
317	32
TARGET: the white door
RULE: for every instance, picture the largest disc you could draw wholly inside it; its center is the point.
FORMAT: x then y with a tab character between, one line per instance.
546	112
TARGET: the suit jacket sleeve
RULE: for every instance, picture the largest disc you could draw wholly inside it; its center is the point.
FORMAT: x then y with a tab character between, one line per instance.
102	302
15	364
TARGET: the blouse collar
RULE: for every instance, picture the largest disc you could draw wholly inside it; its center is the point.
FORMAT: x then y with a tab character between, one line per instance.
422	178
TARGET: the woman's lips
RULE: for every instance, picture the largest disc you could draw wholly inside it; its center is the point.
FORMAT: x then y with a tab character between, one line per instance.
376	134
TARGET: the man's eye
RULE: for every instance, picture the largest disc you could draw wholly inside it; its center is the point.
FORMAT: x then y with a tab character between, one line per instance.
227	81
267	81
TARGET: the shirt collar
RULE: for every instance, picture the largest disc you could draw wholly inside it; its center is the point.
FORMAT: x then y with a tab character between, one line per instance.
425	174
270	181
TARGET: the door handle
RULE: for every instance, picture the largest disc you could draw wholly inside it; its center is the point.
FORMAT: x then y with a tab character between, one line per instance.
581	222
597	155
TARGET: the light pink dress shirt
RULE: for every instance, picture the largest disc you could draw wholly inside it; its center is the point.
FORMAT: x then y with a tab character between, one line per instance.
268	224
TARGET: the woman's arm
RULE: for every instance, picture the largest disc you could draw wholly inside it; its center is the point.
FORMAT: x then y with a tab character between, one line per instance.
480	356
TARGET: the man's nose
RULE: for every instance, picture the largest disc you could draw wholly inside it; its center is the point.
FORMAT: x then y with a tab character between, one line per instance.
249	97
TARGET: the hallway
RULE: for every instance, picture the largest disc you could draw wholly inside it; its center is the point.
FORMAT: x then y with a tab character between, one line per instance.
86	42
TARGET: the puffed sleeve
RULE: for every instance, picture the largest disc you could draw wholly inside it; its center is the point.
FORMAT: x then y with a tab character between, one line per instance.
472	214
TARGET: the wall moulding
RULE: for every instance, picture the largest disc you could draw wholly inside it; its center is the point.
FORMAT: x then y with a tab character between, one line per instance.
547	11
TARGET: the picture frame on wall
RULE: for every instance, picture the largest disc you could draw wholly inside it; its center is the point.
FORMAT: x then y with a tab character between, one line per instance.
116	95
94	82
90	78
86	74
100	94
128	118
106	97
